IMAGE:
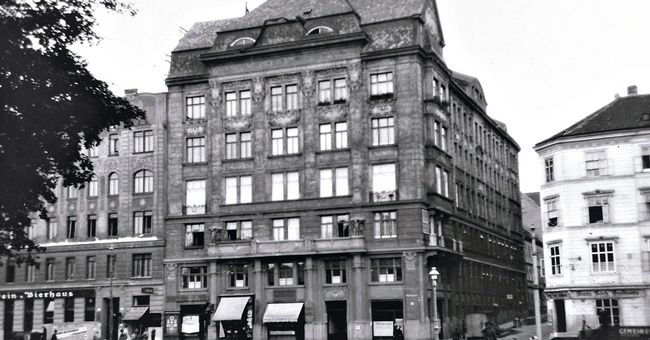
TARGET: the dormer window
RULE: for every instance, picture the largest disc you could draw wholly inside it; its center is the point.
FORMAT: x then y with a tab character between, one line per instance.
320	30
243	41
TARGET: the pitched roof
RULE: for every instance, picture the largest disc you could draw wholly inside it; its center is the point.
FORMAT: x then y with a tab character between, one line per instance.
203	34
624	113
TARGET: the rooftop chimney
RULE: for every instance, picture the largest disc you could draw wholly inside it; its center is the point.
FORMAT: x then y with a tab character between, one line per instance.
632	90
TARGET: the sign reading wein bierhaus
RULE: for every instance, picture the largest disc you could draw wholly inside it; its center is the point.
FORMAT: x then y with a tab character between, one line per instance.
45	294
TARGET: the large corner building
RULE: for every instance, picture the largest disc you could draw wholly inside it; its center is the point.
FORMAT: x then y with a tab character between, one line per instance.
322	159
595	212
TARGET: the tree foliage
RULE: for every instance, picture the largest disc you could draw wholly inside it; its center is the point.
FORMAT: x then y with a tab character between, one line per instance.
51	107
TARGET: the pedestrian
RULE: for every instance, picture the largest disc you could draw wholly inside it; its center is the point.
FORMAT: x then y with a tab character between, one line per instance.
54	337
123	335
95	334
489	331
456	335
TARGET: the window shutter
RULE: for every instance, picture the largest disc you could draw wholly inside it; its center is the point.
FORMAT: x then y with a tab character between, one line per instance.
641	212
585	215
606	213
645	260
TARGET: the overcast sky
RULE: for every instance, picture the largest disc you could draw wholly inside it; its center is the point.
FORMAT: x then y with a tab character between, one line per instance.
543	65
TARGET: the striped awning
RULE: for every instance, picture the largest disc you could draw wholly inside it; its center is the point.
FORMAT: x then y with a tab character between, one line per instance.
135	313
231	308
282	312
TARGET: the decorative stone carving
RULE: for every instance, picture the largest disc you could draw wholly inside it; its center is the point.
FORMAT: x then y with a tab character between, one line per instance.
335	293
215	95
332	113
237	123
410	260
336	71
356	227
354	76
143	163
382	106
216	235
258	89
284	118
194	127
308	86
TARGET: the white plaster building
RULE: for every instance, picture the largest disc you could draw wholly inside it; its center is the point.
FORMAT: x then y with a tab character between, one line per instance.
596	218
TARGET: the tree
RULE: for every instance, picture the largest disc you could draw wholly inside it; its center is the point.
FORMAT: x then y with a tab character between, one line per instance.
51	107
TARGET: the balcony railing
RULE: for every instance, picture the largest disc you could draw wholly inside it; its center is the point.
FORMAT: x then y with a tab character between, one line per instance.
445	242
194	209
272	247
383	196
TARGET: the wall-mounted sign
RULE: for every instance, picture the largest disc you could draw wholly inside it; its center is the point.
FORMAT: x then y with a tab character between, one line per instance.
147	290
595	294
45	294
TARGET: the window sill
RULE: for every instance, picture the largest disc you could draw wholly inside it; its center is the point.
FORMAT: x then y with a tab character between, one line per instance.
238	288
194	247
344	284
140	277
285	287
140	194
382	96
332	150
194	163
143	152
370	147
233	160
385	237
393	283
286	155
191	290
113	155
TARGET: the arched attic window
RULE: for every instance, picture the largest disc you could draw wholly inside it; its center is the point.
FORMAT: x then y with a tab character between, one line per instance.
243	41
320	30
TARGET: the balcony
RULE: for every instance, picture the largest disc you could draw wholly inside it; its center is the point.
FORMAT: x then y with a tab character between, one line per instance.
383	196
194	209
441	241
252	247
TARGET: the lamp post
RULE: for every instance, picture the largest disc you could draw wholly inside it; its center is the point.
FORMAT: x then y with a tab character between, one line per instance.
434	283
110	293
536	302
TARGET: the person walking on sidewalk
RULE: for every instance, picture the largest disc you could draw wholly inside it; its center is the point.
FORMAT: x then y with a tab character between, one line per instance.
489	331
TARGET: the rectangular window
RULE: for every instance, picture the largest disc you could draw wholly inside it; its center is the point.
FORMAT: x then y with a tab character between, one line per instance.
11	272
28	321
341	137
335	272
113	145
93	151
30	273
194	235
141	265
72	227
112	224
110	266
293	145
598	209
548	169
195	150
194	277
384	183
143	182
239	189
386	224
383	131
52	229
551	212
195	197
277	141
91	267
285	274
92	226
276	99
72	192
238	275
386	269
280	101
556	264
608	311
243	98
142	222
292	97
286	229
285	186
596	164
645	157
89	309
442	181
239	230
195	107
143	141
69	268
93	187
324	92
325	137
68	310
113	181
245	149
48	311
381	84
49	269
338	139
602	257
331	230
340	91
333	182
141	300
280	138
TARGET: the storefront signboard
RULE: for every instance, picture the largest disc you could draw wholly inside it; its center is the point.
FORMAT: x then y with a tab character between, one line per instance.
382	328
44	294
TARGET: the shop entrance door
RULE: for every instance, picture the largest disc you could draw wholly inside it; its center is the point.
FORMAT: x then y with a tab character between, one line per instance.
337	320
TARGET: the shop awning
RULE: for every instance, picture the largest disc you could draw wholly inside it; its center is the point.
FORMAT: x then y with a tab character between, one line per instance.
282	312
50	307
231	308
135	313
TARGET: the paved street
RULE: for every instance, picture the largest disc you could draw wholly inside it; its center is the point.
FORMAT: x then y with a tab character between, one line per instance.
525	332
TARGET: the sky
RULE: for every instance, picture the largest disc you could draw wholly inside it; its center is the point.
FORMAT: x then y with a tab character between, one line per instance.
543	65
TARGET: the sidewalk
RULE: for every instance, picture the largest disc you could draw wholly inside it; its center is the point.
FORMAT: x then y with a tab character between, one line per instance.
526	331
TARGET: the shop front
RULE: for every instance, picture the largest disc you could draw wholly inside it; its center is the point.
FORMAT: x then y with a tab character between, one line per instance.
234	317
285	321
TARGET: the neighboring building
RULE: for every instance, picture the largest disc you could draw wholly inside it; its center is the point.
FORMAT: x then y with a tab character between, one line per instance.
321	160
595	218
71	290
531	218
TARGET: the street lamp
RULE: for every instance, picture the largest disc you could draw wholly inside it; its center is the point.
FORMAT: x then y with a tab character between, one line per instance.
536	303
110	294
434	283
